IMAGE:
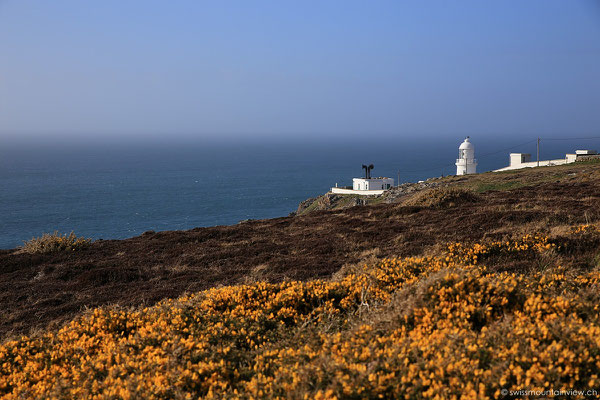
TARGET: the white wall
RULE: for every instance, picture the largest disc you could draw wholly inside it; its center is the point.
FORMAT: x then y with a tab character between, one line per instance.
372	184
466	166
519	158
544	163
523	160
361	192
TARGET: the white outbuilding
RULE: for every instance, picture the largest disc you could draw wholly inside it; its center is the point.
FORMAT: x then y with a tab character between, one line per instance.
366	186
372	183
466	162
523	160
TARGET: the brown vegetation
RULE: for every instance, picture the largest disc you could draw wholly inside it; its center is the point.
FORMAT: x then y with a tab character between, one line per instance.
52	242
443	197
49	288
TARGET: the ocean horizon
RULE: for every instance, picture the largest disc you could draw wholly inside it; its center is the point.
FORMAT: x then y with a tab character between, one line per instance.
120	191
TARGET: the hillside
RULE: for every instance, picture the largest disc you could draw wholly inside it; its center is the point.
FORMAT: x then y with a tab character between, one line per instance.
477	183
488	285
41	289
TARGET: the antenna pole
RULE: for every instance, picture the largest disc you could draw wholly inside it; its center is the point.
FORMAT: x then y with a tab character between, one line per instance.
538	151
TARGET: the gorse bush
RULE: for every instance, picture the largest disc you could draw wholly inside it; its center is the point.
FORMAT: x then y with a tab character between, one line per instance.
418	327
441	198
51	242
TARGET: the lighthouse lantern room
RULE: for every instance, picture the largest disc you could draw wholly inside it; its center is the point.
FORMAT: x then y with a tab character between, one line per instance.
466	162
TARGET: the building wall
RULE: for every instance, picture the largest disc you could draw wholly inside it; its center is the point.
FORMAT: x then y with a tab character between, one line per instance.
531	164
523	160
519	158
372	184
361	192
466	166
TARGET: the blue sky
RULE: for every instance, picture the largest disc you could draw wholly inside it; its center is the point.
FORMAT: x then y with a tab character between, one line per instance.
309	69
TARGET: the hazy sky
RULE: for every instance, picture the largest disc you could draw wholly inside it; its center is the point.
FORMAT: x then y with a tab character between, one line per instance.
298	68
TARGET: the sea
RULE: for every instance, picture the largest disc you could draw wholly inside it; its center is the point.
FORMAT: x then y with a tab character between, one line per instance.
119	190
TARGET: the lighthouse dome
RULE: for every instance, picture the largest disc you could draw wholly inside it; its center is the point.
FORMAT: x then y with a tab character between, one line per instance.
466	145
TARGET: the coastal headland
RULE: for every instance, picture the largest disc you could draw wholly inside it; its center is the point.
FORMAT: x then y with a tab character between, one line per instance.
327	234
481	286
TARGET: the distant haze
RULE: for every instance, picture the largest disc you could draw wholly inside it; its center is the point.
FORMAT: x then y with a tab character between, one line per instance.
309	69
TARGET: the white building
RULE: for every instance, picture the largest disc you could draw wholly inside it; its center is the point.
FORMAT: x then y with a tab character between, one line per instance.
523	160
466	162
366	186
372	183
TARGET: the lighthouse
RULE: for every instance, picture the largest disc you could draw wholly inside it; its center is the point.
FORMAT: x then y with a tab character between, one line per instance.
466	162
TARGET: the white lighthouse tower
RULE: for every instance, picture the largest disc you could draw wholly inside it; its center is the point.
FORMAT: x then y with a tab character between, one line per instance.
466	162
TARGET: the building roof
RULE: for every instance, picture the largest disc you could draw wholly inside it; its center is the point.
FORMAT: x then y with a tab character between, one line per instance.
466	145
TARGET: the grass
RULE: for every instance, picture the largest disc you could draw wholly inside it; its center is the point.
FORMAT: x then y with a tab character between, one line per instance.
484	187
54	242
441	198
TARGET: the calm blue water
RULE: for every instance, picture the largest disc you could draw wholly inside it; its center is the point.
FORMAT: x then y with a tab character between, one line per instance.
121	191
